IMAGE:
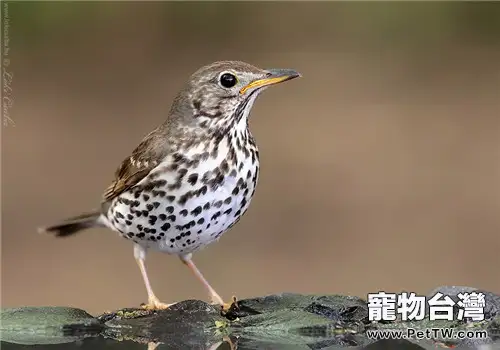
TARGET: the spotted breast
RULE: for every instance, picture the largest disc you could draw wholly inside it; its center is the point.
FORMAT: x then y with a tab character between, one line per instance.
190	199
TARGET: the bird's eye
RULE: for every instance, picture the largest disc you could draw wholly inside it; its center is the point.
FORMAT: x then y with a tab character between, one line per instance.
228	80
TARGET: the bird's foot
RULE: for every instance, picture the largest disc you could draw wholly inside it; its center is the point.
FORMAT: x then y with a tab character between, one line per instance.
225	306
155	304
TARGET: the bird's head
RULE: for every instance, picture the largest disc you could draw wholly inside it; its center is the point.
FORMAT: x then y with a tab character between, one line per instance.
220	95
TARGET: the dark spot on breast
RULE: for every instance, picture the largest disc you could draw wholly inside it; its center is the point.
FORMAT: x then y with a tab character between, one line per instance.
162	217
206	206
140	227
165	226
156	204
227	200
171	198
224	166
149	207
148	187
193	178
171	217
141	235
128	222
185	197
183	212
236	190
152	219
178	158
169	209
237	213
233	173
175	186
215	151
202	190
217	181
145	212
160	183
124	200
160	193
145	197
253	157
216	215
196	211
218	204
227	212
129	216
181	173
201	221
206	176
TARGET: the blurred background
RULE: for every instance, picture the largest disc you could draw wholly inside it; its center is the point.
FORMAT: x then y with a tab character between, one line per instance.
380	167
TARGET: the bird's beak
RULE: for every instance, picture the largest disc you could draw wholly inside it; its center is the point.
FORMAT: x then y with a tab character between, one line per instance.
274	76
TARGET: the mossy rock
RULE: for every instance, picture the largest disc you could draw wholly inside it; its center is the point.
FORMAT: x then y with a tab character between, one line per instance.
284	321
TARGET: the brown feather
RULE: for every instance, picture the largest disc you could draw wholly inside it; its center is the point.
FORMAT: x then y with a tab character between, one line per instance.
133	169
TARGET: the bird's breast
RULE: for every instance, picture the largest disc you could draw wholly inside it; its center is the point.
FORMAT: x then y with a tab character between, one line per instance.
197	195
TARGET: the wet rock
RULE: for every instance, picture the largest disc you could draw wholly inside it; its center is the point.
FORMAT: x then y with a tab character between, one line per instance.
295	320
284	321
47	325
186	324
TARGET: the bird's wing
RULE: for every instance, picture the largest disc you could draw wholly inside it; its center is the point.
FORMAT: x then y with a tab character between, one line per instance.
136	167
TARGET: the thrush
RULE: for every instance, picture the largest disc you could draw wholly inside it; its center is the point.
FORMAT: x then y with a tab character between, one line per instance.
193	177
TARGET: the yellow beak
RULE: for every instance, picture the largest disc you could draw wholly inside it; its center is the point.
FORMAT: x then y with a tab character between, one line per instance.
275	76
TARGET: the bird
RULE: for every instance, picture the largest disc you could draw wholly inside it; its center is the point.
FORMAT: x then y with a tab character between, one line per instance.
192	178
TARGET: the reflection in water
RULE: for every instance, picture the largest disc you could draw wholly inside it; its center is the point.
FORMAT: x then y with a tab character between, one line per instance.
101	343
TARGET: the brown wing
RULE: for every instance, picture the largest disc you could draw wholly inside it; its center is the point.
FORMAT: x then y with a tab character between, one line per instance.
133	169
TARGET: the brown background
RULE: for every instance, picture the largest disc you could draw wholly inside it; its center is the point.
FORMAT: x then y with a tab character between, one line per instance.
380	167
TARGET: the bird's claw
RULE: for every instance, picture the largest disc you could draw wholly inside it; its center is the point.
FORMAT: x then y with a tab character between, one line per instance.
155	304
227	306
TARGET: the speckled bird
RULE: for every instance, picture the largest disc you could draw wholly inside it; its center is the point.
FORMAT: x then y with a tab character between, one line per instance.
193	177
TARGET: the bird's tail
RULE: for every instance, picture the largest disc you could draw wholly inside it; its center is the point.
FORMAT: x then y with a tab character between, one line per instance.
73	225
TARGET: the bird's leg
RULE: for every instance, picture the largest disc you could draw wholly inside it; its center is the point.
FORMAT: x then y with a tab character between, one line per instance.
153	302
214	296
